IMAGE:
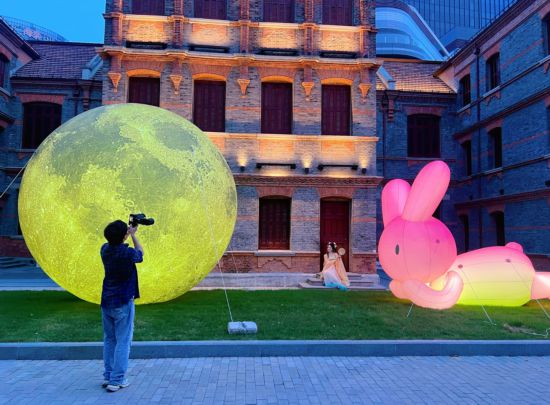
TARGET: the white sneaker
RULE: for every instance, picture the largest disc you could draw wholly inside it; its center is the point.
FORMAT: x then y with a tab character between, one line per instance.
105	383
116	387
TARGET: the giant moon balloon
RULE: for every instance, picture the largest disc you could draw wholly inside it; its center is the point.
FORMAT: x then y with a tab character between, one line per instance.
112	161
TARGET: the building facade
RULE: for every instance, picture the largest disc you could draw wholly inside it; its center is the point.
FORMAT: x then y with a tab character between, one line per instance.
311	121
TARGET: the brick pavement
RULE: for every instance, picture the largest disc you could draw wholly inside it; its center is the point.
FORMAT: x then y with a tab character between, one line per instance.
284	380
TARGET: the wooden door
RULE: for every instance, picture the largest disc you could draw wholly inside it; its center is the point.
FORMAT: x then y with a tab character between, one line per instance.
276	108
209	105
144	90
337	12
279	11
336	110
335	227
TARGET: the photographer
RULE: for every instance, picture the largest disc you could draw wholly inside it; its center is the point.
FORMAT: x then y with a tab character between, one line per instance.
120	287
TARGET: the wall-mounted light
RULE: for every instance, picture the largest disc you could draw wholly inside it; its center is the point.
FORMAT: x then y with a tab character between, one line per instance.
306	170
291	166
321	166
241	168
364	170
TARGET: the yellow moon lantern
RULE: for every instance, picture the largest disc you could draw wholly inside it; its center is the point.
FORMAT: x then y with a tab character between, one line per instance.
112	161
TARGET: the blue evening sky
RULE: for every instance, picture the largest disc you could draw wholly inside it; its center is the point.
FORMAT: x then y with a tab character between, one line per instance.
76	20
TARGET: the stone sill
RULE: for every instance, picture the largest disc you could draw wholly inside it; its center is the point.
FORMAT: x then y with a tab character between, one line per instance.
491	92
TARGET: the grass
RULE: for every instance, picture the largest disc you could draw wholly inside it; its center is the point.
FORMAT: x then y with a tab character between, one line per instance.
55	316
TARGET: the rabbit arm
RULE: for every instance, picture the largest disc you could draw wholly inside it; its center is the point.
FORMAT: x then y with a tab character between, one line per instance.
396	288
424	296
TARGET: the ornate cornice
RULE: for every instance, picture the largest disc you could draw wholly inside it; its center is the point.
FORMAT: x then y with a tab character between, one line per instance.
307	181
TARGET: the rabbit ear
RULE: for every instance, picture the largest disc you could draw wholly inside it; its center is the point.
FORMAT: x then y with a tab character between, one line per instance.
427	191
394	197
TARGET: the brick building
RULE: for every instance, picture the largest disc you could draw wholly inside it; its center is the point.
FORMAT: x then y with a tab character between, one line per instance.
312	115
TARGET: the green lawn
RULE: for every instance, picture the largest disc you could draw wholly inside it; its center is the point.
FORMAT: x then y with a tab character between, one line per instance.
292	314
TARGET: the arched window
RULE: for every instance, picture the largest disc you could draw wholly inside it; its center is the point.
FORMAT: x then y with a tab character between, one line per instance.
276	108
495	148
464	91
4	69
148	7
423	136
274	223
493	71
39	120
336	110
209	105
144	90
498	223
279	11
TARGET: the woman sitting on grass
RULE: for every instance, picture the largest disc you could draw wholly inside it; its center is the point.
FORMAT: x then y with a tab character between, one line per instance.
334	273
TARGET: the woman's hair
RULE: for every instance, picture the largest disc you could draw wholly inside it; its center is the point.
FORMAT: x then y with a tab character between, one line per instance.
333	246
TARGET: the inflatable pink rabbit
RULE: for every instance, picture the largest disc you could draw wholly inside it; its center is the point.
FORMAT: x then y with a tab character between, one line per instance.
419	253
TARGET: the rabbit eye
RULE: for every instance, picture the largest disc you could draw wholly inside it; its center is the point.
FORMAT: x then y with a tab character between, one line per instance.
396	249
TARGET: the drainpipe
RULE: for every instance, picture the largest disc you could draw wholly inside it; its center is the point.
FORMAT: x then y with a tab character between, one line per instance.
478	117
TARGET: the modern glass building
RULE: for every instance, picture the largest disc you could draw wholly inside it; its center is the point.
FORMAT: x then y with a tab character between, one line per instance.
456	21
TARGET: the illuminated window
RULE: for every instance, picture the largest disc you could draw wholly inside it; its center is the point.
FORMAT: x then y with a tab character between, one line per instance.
209	105
493	72
423	136
495	148
274	224
464	91
144	90
337	12
276	108
148	7
214	9
336	110
39	120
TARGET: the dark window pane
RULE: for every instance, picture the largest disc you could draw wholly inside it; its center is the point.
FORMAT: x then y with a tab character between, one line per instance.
214	9
144	90
336	110
148	7
467	153
3	70
39	120
493	72
274	232
279	10
498	221
466	228
546	28
209	105
423	136
337	12
276	108
495	154
465	90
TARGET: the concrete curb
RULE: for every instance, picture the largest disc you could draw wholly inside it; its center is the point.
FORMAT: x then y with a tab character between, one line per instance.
280	348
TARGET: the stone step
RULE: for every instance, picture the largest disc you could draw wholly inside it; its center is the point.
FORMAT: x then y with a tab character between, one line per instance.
373	287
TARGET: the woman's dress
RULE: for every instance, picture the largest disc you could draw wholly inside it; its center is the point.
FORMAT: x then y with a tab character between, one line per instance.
334	273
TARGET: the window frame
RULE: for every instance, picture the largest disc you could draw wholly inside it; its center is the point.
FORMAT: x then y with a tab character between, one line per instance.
135	79
31	137
330	18
500	227
492	68
465	222
215	126
265	223
546	34
203	12
264	124
4	70
325	113
465	91
413	138
495	140
467	151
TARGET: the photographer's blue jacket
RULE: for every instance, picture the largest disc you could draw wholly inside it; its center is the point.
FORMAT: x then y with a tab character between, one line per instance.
120	284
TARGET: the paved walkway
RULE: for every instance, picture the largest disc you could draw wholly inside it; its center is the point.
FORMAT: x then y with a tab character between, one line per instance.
285	380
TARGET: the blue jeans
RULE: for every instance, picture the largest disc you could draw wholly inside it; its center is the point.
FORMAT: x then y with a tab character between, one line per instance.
118	329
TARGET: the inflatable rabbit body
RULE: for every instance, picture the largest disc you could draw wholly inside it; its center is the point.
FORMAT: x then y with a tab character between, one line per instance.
419	253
